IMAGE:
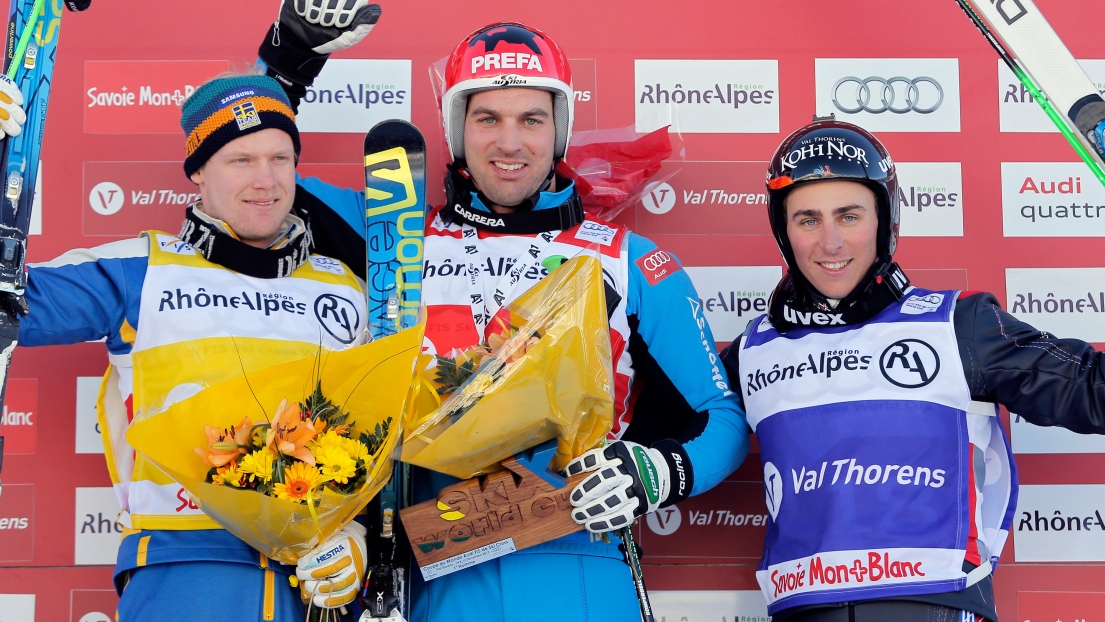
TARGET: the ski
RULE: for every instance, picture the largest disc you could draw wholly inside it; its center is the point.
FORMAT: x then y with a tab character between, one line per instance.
395	200
1024	39
395	215
32	38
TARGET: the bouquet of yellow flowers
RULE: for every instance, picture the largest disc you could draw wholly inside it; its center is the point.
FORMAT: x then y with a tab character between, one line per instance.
316	460
544	373
306	446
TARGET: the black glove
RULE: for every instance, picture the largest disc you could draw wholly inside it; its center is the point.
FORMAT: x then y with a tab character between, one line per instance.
77	6
299	43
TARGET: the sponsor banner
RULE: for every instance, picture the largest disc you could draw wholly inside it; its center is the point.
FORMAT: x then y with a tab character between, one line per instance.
733	295
1051	199
19	418
585	82
854	570
123	198
709	605
92	605
352	95
17	607
89	440
890	94
1033	439
939	278
342	175
1018	111
141	97
96	534
707	96
1059	606
1067	302
727	523
930	197
714	198
17	523
1060	523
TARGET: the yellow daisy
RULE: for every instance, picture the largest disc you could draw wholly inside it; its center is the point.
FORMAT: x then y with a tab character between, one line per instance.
229	475
356	449
335	464
299	479
258	465
330	439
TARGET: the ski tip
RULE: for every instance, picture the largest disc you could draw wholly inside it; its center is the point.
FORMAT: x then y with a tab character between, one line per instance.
393	132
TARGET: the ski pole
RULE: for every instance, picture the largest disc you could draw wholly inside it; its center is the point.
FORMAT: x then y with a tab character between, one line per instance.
634	562
25	38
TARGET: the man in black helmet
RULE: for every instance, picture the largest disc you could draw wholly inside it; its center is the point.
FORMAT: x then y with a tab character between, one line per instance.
889	480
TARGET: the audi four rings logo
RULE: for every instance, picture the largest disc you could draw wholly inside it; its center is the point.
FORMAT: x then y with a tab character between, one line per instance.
655	260
868	97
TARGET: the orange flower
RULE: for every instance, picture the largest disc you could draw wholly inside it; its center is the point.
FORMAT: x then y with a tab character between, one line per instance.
511	340
225	444
290	433
299	480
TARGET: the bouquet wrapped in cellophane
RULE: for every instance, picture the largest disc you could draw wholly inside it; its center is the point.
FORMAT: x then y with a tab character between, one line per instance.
285	457
544	372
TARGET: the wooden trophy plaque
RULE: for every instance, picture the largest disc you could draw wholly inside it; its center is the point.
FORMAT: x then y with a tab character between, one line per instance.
490	516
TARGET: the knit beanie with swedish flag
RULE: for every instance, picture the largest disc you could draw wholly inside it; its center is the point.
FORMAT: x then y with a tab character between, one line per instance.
228	108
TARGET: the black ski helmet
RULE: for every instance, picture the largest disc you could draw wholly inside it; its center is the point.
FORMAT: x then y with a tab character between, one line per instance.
830	149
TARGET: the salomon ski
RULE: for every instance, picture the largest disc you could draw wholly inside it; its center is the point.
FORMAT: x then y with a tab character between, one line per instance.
395	213
32	39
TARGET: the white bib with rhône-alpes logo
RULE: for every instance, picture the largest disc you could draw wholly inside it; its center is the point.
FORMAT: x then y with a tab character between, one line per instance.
882	477
200	324
508	265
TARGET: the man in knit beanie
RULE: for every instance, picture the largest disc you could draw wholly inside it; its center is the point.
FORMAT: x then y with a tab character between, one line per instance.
248	239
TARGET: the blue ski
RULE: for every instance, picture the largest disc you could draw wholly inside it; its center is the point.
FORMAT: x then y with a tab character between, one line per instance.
395	214
32	70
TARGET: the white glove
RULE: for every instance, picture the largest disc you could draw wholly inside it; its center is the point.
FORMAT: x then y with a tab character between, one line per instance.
12	116
632	480
331	575
338	24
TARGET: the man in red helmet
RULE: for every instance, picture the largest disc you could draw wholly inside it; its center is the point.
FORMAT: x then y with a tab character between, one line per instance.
508	220
889	480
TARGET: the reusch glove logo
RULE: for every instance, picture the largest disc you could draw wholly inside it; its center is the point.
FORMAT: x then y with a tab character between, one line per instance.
647	472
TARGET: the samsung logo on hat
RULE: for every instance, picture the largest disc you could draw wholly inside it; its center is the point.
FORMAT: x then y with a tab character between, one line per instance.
236	95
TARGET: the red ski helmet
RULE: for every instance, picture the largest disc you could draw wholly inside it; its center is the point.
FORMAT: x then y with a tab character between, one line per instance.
830	149
506	55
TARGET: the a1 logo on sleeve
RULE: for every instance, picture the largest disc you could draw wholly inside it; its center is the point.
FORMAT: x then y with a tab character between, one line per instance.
657	266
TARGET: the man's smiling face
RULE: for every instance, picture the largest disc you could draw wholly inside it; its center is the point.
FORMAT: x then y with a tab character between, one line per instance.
832	226
509	136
